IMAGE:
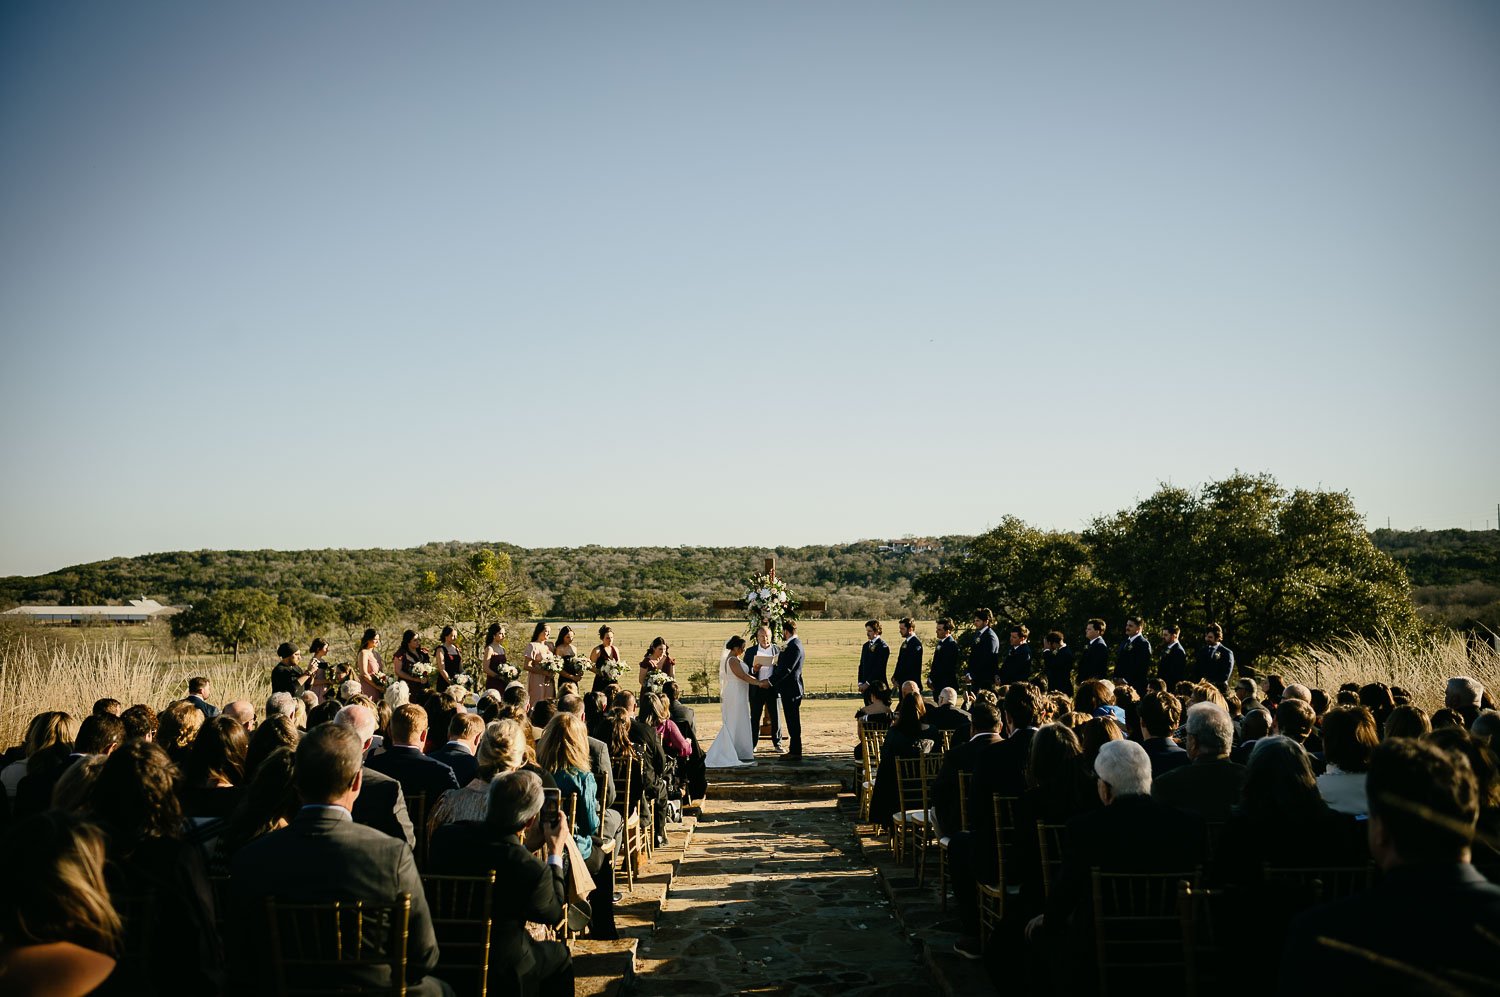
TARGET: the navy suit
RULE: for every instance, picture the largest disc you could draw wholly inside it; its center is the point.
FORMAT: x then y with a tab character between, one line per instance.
908	662
1133	661
1095	663
1017	667
209	710
1058	666
1173	667
1213	664
1165	754
463	763
984	659
786	683
944	665
872	660
416	772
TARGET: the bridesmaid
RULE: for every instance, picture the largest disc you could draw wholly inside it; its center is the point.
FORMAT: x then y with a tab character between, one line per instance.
606	651
410	653
658	659
367	665
539	684
494	654
450	662
572	670
317	655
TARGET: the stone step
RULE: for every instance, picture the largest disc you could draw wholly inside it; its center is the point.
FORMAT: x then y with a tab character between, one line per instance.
603	969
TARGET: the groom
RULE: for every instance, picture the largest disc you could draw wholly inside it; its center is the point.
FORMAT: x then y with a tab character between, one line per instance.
760	661
786	684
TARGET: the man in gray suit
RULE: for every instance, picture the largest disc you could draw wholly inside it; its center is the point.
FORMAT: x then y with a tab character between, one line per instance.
381	804
323	856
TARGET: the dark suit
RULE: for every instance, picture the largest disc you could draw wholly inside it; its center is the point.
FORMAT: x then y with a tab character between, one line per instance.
960	758
526	889
647	743
1432	918
1173	666
382	806
984	659
908	662
463	763
1058	667
686	721
1208	787
1095	663
417	773
1213	664
1133	661
1165	754
762	701
1017	666
941	718
944	673
209	710
786	685
337	859
999	768
873	657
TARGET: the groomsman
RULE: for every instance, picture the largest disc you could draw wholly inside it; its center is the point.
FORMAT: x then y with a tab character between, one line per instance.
872	658
1173	666
1214	661
944	659
984	656
1133	661
1057	662
1017	667
1095	663
909	657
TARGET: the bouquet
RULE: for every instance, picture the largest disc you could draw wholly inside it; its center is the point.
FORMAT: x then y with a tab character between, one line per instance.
463	680
380	680
552	663
655	683
508	673
609	669
421	670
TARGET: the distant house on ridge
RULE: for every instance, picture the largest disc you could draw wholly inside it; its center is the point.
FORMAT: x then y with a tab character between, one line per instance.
136	611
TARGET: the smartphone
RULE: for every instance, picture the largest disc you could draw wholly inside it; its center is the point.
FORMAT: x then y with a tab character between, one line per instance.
551	807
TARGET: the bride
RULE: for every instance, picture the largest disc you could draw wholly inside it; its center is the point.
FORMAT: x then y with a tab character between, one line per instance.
733	746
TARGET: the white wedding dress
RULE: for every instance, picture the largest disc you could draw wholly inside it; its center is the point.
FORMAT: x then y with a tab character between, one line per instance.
733	746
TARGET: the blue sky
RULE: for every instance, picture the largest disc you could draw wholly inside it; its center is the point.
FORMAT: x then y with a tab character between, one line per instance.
338	275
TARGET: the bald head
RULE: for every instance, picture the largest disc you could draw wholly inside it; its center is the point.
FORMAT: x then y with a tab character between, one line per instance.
360	719
242	711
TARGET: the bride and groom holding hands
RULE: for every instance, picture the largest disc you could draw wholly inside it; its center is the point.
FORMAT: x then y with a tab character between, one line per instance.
751	680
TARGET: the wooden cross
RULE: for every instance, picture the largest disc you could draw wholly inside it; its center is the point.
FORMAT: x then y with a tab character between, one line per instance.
809	606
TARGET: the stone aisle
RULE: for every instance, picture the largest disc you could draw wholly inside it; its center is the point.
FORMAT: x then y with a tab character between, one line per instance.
774	897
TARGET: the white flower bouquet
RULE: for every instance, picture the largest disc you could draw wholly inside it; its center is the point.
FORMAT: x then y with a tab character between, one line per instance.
508	673
609	669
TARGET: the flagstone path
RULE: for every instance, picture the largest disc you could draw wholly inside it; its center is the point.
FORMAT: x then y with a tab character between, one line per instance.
773	896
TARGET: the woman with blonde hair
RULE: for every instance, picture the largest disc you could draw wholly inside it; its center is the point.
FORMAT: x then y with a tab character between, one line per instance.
52	729
177	729
59	933
502	748
563	753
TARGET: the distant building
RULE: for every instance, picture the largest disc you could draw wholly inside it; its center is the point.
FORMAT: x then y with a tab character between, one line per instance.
136	611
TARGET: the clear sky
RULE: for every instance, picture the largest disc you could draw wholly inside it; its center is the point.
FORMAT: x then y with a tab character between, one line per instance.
371	274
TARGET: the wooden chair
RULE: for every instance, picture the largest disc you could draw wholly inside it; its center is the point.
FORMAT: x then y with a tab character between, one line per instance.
1049	843
1138	928
965	782
912	823
631	815
1302	887
871	738
316	946
569	805
945	742
462	920
992	896
1206	949
417	810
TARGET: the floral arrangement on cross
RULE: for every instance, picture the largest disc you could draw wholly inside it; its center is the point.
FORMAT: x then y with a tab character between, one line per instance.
769	603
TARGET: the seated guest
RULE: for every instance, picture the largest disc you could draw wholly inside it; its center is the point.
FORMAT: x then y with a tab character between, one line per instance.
654	715
694	773
59	933
946	715
542	713
502	748
380	804
1094	734
563	753
111	706
330	857
653	758
1378	698
51	733
1486	728
1294	719
177	728
404	759
1348	739
99	734
199	691
1431	922
985	720
1255	725
136	801
464	731
140	722
276	732
1406	721
1482	761
1282	821
1160	714
907	738
1057	790
1210	785
1093	694
1133	833
526	889
1464	696
879	704
215	769
268	802
75	787
242	711
599	764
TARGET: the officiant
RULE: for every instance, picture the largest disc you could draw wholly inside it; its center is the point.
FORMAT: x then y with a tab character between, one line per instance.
761	661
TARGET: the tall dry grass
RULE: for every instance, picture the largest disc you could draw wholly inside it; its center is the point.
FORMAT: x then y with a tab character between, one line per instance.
36	676
1422	669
